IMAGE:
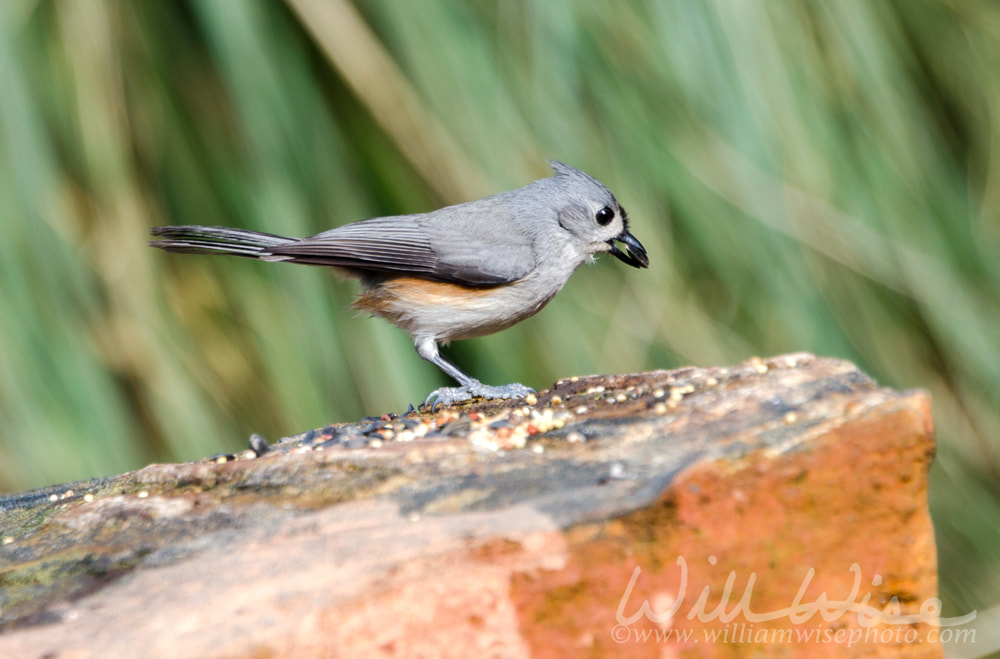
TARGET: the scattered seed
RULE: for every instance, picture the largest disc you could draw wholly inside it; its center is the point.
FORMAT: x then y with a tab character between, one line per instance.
531	399
677	393
537	448
791	417
88	497
373	427
581	410
575	438
142	494
660	409
596	390
258	445
556	400
447	417
7	539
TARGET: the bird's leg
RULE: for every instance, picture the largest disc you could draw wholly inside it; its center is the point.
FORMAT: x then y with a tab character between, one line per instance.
471	387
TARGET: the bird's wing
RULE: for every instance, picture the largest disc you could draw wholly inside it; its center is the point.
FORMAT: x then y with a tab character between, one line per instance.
451	247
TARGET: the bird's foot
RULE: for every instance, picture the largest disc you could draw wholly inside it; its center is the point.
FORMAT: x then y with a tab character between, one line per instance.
451	395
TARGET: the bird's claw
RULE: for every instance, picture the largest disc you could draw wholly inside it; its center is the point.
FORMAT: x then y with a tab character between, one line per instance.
450	395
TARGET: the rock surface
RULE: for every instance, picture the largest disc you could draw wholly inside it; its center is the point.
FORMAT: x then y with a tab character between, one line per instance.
776	508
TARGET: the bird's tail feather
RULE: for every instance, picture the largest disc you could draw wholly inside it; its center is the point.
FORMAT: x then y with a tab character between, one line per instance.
216	240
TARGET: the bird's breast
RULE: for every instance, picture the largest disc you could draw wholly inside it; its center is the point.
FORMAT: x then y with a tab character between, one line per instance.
447	311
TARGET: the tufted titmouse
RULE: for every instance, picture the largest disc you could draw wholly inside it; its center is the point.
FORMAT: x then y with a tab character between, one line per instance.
456	273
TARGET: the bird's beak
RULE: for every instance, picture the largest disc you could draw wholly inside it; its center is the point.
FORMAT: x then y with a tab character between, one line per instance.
634	253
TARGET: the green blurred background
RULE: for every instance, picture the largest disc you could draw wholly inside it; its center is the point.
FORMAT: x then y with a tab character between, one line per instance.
819	176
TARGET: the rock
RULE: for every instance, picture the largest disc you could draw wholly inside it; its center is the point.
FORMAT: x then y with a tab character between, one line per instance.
778	507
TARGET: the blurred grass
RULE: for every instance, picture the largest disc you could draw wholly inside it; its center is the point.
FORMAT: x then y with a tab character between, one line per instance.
806	176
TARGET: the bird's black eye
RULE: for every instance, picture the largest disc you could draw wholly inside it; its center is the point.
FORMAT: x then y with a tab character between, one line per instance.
604	216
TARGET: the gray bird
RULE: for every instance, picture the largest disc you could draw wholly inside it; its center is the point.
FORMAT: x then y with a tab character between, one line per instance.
456	273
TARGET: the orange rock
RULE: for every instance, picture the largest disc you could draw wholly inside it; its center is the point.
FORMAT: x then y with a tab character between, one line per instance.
778	508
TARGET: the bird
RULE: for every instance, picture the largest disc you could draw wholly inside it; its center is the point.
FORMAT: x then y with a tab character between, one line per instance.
459	272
